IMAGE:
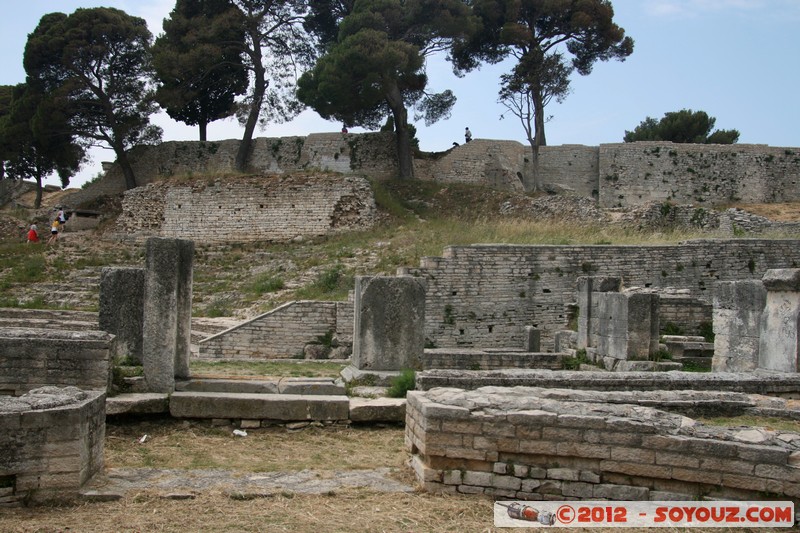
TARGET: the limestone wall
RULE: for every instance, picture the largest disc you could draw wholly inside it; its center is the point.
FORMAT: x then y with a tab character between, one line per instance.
533	444
708	174
483	296
52	442
274	208
371	154
284	332
35	358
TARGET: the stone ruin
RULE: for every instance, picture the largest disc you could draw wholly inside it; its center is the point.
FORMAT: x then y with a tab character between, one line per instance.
52	443
520	433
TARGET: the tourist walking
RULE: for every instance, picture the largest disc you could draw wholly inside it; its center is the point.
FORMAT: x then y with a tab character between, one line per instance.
467	135
53	232
33	234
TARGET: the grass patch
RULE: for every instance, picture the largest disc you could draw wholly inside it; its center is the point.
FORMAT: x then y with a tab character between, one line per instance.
403	383
331	284
265	368
574	363
170	444
770	423
266	283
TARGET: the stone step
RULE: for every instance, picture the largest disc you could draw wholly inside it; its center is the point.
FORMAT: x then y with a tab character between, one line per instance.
304	386
489	359
362	410
49	323
255	407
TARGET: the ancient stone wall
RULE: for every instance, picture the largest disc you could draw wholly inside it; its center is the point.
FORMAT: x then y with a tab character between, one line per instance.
274	208
708	174
483	296
35	358
623	174
52	443
371	154
535	444
283	332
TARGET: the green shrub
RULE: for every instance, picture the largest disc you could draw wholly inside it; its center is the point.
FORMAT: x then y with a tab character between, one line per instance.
402	384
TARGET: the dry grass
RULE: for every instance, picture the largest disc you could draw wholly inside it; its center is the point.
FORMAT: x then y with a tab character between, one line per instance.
197	445
785	212
177	444
250	369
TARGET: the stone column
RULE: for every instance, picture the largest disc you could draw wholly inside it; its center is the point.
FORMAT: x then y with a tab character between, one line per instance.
587	305
121	310
778	346
389	330
737	320
627	326
167	312
533	339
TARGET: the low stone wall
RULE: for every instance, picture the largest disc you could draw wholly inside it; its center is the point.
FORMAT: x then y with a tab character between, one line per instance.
530	444
284	332
52	443
760	382
489	359
34	358
255	208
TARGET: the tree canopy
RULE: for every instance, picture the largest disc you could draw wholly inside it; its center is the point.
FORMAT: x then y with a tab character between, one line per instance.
35	140
684	126
98	62
376	67
198	62
548	38
277	49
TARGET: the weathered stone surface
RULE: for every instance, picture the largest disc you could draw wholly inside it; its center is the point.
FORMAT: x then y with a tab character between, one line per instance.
33	358
526	433
389	329
52	441
167	312
377	409
143	403
258	406
122	310
780	322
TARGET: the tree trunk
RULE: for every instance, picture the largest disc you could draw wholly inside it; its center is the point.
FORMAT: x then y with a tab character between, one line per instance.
203	125
405	157
37	203
259	89
125	165
538	139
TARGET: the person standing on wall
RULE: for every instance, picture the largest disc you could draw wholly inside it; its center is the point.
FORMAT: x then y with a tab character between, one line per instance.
467	135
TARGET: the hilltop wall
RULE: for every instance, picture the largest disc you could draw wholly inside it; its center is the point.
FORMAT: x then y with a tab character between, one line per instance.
617	175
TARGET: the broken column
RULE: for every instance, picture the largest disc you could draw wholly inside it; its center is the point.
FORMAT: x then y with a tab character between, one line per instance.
587	305
737	320
121	310
167	312
627	325
389	332
778	346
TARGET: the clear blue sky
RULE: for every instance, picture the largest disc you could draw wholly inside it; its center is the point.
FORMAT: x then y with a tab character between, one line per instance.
738	60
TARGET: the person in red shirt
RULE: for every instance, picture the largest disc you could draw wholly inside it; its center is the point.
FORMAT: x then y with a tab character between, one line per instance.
33	234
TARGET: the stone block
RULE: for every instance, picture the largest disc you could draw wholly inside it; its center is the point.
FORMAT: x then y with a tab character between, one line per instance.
481	479
389	331
122	309
620	492
737	316
506	482
283	407
377	409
